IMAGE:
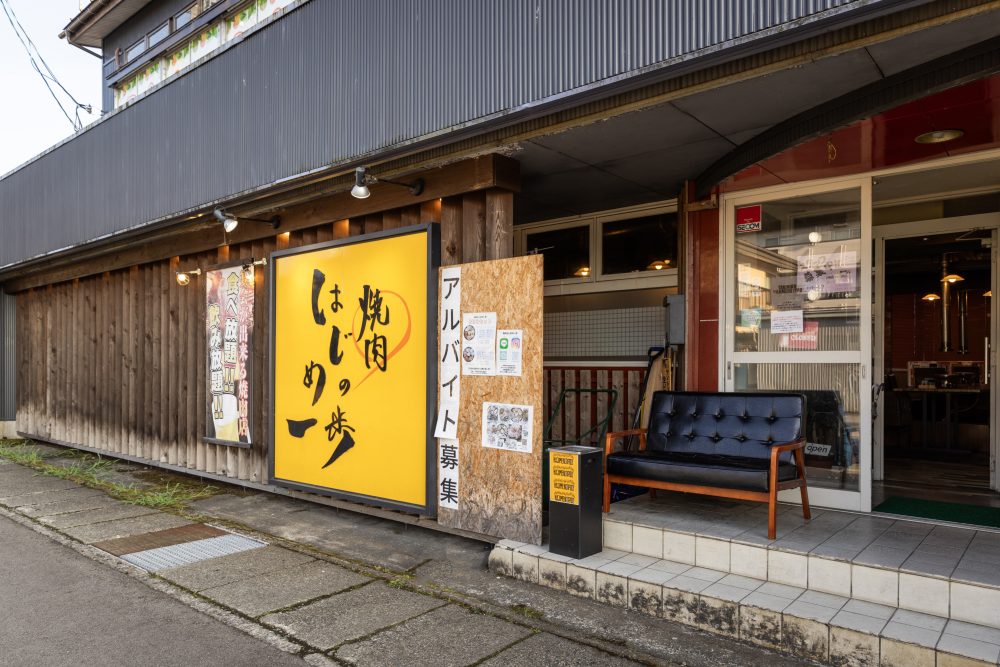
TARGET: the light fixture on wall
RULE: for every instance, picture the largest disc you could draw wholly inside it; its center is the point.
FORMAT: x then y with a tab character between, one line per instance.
248	267
952	278
658	265
815	237
230	221
939	136
362	179
184	277
931	297
582	272
988	293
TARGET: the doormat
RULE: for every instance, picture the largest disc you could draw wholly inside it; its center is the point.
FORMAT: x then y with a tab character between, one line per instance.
976	515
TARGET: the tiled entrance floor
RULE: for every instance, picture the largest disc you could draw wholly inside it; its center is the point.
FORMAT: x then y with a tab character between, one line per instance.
944	570
891	591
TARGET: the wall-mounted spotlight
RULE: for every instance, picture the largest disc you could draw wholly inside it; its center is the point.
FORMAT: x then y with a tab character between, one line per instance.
184	277
248	268
362	179
230	221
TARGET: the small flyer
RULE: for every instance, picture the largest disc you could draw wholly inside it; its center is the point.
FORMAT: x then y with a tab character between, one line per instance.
750	318
479	335
785	293
807	340
507	427
786	321
509	344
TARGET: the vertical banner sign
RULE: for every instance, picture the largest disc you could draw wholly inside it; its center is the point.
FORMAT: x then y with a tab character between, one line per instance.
449	386
354	369
450	375
229	331
448	474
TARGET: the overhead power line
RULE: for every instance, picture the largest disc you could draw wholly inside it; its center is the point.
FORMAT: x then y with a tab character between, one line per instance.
48	76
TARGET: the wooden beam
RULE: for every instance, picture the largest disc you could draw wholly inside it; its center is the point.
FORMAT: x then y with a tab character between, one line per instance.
186	237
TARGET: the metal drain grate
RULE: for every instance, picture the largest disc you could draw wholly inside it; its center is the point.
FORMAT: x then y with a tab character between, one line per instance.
176	555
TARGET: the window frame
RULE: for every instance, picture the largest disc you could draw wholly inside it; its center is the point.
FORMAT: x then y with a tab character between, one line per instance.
149	37
194	8
145	47
598	281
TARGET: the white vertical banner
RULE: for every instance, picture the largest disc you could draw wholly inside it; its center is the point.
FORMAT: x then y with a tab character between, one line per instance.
448	474
449	386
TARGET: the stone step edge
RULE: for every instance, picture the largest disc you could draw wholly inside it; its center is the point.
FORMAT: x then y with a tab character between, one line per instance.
752	621
756	560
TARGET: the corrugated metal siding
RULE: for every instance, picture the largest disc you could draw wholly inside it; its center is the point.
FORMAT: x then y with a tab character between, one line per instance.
8	372
328	83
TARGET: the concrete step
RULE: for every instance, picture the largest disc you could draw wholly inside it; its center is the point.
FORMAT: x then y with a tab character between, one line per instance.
827	627
917	577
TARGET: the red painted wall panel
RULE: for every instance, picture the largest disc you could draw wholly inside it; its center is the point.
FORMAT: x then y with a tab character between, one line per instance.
702	351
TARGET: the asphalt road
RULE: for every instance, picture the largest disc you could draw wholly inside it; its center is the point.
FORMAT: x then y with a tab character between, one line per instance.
60	608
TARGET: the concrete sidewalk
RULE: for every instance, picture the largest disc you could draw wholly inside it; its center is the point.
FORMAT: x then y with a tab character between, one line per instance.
345	588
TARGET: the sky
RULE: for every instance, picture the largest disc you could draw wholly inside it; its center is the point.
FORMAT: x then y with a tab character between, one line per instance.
30	120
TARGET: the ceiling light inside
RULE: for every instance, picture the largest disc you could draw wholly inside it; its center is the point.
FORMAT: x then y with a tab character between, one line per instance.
939	136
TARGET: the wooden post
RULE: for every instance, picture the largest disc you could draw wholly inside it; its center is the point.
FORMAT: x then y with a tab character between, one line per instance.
451	231
499	224
473	227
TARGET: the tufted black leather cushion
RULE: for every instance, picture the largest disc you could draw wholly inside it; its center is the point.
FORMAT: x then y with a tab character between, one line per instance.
716	439
730	472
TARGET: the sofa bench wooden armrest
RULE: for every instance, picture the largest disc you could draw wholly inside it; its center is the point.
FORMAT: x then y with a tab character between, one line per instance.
684	448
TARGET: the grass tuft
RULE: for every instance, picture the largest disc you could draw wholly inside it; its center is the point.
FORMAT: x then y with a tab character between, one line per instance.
401	581
527	611
87	469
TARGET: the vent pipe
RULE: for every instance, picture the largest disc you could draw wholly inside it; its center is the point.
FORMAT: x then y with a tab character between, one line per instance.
945	310
963	311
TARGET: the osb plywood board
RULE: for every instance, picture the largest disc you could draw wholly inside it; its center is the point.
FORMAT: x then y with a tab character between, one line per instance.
500	492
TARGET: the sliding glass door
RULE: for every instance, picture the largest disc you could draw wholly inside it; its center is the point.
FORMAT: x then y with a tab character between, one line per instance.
796	316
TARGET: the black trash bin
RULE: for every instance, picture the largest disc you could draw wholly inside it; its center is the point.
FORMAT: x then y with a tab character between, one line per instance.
575	495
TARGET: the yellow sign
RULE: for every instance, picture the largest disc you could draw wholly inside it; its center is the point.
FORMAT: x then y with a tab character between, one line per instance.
564	478
350	353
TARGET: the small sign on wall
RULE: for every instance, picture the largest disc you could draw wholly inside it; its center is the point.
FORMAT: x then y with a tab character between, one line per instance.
564	478
748	218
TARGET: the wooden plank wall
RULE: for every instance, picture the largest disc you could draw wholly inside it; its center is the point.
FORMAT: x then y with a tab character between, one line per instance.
116	361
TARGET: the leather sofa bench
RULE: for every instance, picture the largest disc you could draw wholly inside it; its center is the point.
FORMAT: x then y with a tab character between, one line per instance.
746	446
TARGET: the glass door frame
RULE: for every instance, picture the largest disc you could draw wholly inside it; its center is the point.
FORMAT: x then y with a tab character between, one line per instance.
882	233
859	500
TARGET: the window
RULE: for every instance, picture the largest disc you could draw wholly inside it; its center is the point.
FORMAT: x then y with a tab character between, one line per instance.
639	244
159	34
136	50
631	248
566	251
185	16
